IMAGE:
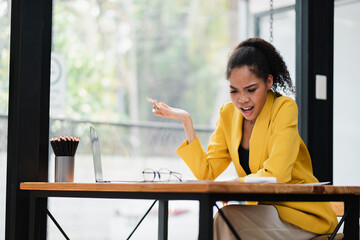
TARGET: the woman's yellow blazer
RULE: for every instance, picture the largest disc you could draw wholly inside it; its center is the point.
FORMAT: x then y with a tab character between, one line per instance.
276	150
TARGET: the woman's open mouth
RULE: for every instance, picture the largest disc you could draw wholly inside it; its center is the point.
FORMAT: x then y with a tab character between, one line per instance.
247	110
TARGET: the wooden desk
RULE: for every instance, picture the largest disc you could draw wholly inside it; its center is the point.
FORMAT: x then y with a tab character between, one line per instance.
206	192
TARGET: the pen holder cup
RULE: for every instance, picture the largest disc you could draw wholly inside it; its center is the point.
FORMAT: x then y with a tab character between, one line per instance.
64	169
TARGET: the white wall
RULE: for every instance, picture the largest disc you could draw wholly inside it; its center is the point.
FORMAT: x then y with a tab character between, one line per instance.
346	91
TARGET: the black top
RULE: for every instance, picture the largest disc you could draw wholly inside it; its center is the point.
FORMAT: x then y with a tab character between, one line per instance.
244	159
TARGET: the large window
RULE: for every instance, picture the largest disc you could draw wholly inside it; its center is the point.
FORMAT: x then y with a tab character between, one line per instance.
108	56
4	92
283	32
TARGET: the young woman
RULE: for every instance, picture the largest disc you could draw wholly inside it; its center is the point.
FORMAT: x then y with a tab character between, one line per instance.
258	132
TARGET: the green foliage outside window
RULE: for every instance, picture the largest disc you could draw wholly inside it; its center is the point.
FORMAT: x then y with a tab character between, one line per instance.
4	56
119	52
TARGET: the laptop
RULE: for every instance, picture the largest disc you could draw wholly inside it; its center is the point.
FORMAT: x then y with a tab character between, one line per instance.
95	147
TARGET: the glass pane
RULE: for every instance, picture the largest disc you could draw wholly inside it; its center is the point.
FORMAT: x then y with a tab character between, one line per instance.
4	55
116	53
4	95
346	87
108	56
284	34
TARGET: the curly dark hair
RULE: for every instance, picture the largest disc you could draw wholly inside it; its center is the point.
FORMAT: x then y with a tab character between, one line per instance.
262	59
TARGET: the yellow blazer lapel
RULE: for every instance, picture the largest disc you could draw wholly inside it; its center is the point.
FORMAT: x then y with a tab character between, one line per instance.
258	135
237	123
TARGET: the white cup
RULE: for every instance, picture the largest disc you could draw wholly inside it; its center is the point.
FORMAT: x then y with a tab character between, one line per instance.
64	169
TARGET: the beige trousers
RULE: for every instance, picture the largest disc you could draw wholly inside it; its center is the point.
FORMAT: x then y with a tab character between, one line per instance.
257	222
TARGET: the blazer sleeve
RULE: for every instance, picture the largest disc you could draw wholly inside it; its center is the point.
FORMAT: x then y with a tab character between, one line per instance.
284	142
207	165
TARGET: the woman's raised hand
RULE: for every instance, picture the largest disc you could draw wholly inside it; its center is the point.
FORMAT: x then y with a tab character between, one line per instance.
163	110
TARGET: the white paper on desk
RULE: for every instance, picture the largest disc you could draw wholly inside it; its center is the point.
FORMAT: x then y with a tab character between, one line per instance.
316	183
260	179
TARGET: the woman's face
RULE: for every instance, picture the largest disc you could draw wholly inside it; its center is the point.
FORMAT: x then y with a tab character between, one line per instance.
248	92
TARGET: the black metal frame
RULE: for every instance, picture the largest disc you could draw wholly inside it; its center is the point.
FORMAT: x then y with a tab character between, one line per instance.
54	220
206	203
314	55
28	121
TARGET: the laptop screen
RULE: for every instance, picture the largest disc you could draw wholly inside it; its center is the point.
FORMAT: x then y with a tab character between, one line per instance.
95	147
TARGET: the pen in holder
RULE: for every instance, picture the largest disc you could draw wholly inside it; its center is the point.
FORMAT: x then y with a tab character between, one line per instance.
64	149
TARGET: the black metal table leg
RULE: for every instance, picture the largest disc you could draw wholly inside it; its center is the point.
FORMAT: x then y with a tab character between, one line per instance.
163	219
206	219
32	218
37	220
351	226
